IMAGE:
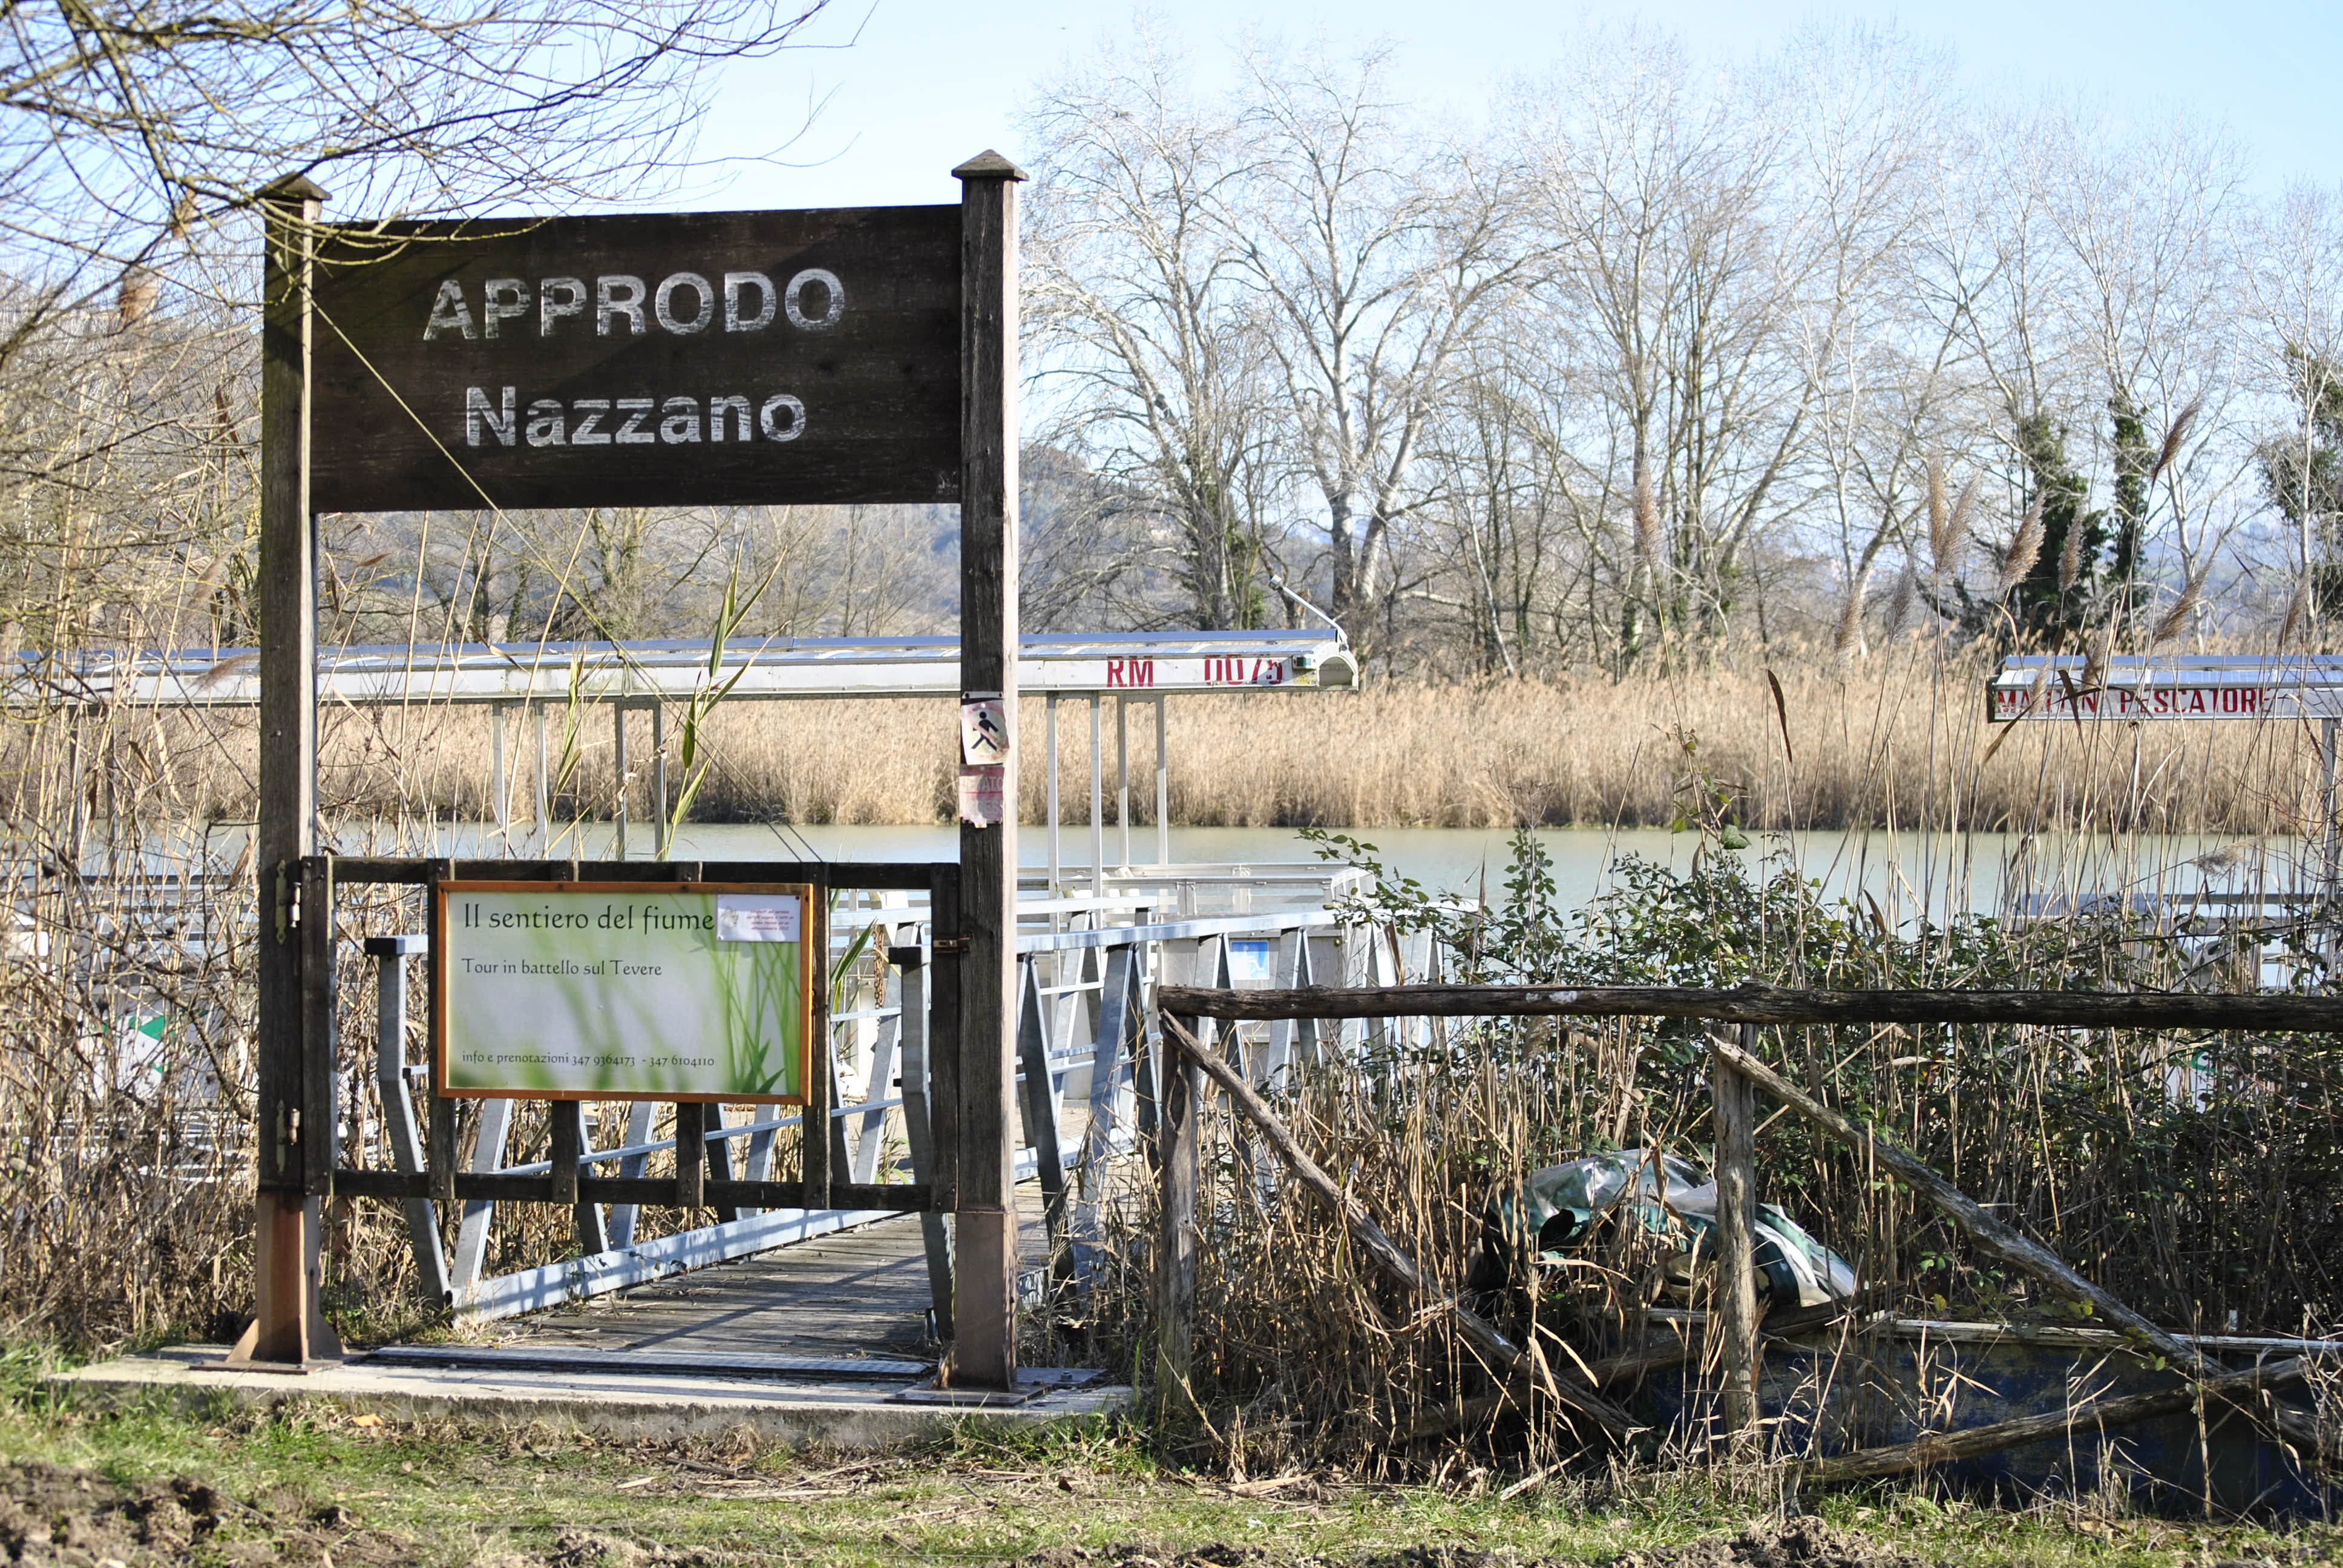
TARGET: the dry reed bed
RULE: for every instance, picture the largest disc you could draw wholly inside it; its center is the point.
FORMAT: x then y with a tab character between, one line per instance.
1899	742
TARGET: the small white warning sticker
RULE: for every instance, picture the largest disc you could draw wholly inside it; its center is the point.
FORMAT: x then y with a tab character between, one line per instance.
982	793
758	918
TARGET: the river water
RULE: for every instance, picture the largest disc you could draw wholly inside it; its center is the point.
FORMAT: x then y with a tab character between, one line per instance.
1904	873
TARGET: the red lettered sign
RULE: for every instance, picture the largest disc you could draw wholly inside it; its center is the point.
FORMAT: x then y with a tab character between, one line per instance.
2057	699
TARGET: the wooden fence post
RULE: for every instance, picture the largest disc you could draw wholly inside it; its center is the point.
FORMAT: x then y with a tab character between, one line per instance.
817	1128
286	1327
984	1296
1734	1104
1179	1164
691	1154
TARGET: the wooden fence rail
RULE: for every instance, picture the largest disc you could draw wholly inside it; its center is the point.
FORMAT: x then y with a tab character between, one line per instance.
1760	1004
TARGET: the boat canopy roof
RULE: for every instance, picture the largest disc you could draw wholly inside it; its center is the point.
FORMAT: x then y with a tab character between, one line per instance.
1140	664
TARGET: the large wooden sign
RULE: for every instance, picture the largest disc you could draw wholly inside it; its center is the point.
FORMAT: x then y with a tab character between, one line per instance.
673	359
861	355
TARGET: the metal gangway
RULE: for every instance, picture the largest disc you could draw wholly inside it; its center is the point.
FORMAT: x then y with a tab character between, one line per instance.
1088	969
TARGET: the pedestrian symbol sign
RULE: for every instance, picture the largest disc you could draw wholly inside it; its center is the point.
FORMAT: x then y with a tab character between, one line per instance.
984	732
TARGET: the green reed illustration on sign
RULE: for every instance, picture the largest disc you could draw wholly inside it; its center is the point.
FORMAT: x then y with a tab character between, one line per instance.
616	990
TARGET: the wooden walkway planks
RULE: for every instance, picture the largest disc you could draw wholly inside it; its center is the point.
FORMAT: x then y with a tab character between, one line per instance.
859	1293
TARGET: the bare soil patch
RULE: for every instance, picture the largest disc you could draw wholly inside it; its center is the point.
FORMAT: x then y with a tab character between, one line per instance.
1802	1542
56	1517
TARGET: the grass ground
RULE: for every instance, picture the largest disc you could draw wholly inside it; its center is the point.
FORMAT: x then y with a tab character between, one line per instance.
149	1486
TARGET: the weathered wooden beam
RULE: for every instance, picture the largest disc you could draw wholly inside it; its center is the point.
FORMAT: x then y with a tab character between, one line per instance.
293	1153
984	1297
1775	1005
566	1122
944	1036
1735	1108
691	1155
816	1145
1506	1357
1179	1168
362	870
440	1151
1945	1447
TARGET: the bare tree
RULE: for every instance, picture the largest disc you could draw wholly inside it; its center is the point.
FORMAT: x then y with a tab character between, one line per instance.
2292	302
130	129
1378	254
1138	301
1654	232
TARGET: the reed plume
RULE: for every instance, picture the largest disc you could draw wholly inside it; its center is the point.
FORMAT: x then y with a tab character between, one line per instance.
1950	546
2024	549
2174	437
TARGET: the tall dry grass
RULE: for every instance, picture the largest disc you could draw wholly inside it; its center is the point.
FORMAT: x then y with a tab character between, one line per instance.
1899	741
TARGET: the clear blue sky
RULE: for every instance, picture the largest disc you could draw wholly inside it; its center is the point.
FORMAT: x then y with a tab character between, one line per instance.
922	83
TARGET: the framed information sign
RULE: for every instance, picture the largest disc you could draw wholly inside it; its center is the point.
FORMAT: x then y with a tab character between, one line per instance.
625	990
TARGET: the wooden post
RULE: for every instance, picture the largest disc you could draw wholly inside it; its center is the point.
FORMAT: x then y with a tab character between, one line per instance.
944	1019
285	1232
985	1303
691	1155
439	1113
817	1129
320	1089
566	1121
1735	1105
1179	1164
320	1044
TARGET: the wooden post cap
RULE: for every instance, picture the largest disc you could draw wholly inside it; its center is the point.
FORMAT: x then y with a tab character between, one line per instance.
988	165
297	187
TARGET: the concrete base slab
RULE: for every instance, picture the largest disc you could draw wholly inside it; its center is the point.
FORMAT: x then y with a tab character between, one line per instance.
658	1405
